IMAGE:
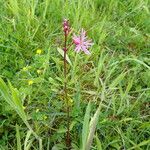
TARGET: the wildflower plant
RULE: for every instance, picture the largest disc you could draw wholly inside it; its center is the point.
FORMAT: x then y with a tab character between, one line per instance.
66	30
82	43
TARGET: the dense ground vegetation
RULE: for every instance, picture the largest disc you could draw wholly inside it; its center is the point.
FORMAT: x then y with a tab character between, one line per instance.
30	37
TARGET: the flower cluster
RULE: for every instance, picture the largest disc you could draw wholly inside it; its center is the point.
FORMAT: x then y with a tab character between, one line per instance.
66	27
82	43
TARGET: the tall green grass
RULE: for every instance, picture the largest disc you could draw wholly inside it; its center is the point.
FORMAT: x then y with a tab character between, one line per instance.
109	90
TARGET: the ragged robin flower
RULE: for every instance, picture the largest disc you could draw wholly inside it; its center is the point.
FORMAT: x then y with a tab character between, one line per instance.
82	43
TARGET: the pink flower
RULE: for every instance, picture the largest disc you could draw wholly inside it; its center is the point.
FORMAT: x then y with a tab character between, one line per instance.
82	43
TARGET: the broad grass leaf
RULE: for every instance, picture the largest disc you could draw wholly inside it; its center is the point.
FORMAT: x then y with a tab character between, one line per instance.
11	96
17	102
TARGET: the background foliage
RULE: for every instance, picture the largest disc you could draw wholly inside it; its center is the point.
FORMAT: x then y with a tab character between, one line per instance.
119	60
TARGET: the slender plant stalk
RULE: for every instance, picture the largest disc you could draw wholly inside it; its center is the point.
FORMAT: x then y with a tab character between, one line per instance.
68	139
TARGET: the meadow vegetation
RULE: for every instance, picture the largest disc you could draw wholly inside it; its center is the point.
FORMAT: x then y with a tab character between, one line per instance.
108	90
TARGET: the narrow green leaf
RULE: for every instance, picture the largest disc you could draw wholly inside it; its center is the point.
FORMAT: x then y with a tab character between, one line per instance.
117	80
85	129
5	92
98	143
92	128
18	138
13	6
136	60
62	54
99	69
26	145
140	144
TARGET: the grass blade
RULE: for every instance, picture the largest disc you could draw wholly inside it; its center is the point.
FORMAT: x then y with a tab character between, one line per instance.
92	128
117	80
18	138
98	142
85	129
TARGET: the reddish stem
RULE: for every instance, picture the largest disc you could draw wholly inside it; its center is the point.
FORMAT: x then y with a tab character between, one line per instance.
68	139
